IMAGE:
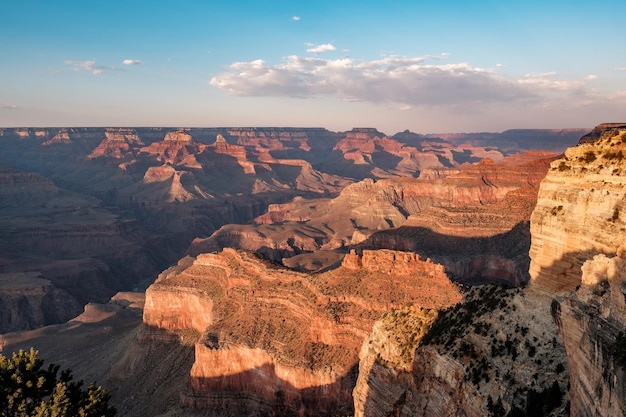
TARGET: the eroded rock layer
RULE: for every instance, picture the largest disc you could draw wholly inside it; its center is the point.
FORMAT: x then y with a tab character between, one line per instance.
577	254
578	212
496	353
285	341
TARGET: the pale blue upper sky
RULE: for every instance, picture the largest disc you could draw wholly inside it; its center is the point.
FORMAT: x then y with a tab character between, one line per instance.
437	66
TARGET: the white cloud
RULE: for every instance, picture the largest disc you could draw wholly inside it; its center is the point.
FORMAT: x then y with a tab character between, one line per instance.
89	66
318	49
591	77
621	68
549	81
295	18
131	62
407	82
8	107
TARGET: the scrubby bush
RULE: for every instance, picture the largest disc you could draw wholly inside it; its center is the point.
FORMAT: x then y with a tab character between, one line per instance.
589	157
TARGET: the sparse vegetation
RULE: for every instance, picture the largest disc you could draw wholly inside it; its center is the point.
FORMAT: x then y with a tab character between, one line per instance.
563	166
589	157
408	325
488	349
614	155
555	210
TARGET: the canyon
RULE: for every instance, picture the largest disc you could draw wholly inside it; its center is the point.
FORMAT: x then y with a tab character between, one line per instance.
307	272
94	211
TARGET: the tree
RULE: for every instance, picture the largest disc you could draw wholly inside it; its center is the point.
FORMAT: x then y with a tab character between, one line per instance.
27	389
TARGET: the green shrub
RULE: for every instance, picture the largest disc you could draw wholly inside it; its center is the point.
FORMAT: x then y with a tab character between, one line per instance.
27	389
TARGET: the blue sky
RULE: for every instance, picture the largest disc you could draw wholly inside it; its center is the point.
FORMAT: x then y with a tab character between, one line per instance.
437	66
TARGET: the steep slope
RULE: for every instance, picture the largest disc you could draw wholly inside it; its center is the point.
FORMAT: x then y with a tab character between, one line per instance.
60	250
578	211
278	341
478	210
577	254
497	353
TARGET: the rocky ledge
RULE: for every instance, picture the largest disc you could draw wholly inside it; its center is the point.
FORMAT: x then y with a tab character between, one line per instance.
269	340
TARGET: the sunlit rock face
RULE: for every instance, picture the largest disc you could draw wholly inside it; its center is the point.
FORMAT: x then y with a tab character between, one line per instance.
465	360
579	210
280	339
117	144
577	254
473	219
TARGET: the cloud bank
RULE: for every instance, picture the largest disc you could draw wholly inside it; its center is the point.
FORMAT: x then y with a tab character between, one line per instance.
131	62
404	81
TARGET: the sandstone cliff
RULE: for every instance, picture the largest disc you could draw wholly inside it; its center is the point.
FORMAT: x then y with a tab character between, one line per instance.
497	353
578	211
277	341
592	321
473	219
577	255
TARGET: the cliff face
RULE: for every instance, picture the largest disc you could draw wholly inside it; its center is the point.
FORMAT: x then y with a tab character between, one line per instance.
578	211
577	254
28	301
495	353
286	342
79	250
592	321
473	219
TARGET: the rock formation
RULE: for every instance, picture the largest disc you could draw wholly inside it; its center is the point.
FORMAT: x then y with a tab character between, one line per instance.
60	250
578	211
117	144
592	320
496	353
473	219
235	333
577	254
29	301
287	342
177	148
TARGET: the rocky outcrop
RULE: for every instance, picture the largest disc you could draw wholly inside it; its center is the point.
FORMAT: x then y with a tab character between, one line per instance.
578	211
177	148
117	144
236	151
284	340
28	301
478	358
387	156
478	211
62	137
577	255
592	321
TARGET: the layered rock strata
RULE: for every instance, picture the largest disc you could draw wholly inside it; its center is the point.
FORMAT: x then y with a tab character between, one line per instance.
278	341
473	219
577	254
579	211
592	321
496	353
